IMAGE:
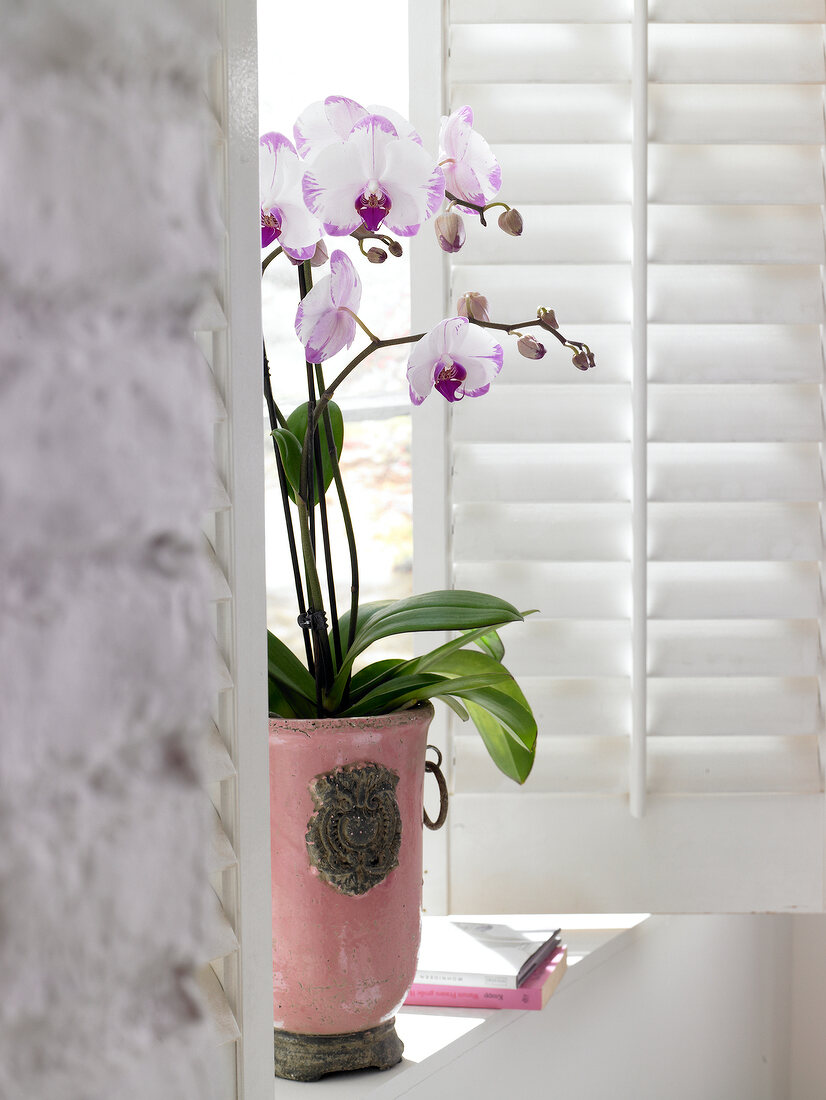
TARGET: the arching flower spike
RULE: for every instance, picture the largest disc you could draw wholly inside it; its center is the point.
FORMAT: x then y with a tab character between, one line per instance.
471	170
376	176
284	216
456	358
323	324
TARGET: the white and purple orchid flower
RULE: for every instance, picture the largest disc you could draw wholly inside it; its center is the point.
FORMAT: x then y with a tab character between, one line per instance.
471	170
284	215
457	358
324	322
366	168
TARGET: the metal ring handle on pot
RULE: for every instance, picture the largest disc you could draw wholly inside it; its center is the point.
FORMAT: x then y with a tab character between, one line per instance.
436	768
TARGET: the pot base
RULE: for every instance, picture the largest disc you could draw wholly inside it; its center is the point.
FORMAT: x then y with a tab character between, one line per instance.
309	1057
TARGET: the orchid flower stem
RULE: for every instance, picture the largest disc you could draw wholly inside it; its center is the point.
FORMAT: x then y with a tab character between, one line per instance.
310	456
360	323
265	263
348	528
275	418
480	210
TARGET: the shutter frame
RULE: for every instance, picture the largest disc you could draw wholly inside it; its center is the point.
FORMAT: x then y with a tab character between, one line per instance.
728	219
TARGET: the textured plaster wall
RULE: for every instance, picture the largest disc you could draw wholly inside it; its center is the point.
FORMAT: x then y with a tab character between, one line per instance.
107	238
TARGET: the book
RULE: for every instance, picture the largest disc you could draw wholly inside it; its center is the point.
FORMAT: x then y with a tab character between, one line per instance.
480	955
532	995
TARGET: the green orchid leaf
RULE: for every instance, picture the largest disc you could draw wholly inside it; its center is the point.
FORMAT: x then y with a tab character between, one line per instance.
510	756
454	705
452	609
289	447
491	643
297	424
364	612
288	673
372	675
405	690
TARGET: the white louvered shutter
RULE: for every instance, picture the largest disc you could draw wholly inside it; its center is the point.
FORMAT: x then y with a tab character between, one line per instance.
237	979
663	511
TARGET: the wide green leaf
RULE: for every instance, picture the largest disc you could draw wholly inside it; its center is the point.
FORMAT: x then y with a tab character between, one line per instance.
502	696
288	673
451	609
404	690
365	611
374	674
297	423
510	756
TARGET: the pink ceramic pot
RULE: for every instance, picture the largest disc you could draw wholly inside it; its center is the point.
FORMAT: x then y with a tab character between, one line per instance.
346	826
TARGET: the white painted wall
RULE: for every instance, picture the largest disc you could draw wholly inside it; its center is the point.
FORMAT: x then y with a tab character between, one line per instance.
107	239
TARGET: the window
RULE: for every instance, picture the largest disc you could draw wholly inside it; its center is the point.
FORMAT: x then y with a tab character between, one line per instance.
376	455
663	511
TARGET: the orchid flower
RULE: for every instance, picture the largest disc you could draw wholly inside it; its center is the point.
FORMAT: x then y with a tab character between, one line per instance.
284	217
456	357
366	169
324	322
471	170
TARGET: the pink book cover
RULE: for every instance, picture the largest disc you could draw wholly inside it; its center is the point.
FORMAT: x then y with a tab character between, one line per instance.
533	994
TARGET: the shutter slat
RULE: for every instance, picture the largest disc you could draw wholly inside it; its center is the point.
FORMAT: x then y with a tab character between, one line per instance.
750	174
701	413
540	532
513	53
224	1024
581	707
742	293
540	472
209	316
569	590
783	114
735	234
696	765
219	586
567	174
578	292
563	414
565	648
737	54
734	532
550	112
218	764
734	353
537	11
575	234
614	362
729	706
222	939
732	648
735	11
734	471
220	854
724	590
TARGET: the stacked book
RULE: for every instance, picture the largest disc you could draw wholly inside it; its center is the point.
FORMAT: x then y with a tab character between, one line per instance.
470	964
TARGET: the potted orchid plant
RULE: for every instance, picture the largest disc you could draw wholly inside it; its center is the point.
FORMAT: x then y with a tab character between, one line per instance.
365	173
348	743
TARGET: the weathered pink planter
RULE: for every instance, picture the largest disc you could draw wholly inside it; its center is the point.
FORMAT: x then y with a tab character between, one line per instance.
346	826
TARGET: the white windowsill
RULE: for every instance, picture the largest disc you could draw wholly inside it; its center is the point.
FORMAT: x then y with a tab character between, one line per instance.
435	1036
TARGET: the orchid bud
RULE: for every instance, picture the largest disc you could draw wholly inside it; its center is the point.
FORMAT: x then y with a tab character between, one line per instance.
395	249
320	257
376	255
510	221
582	360
530	347
547	317
450	231
473	305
